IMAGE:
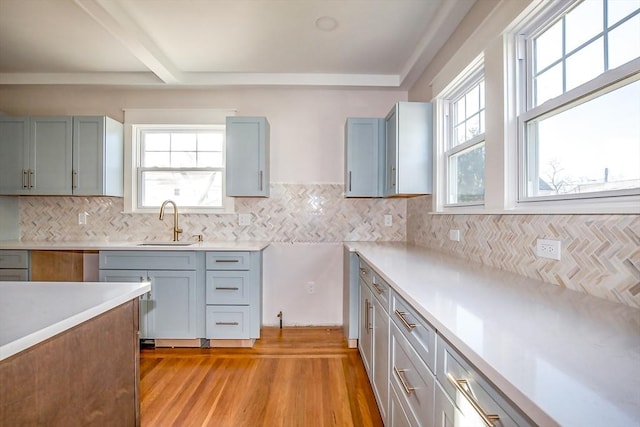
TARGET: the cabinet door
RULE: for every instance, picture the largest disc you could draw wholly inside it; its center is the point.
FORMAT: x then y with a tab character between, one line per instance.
390	170
50	155
381	357
247	156
131	276
364	155
173	309
97	156
14	155
365	341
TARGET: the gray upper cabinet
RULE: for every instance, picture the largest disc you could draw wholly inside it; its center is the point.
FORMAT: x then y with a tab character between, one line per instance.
247	157
409	150
98	149
364	157
61	156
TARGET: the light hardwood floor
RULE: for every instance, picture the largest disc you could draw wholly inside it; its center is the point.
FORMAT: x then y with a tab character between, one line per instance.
294	377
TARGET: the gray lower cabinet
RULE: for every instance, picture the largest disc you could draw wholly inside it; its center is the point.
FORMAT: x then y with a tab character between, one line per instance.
247	157
364	157
417	377
233	295
171	310
14	265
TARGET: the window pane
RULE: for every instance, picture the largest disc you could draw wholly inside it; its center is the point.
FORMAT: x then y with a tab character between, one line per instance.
183	159
472	99
155	159
187	189
183	142
548	47
156	141
624	43
210	160
459	110
618	9
466	175
459	135
473	127
210	141
548	84
585	64
592	147
583	23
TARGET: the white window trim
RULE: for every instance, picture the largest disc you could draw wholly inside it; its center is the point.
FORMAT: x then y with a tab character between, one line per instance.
469	77
621	201
136	118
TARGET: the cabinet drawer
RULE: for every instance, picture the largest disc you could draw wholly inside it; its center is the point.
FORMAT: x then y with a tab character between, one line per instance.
366	273
227	322
228	287
14	259
413	382
14	275
227	260
148	260
462	384
418	331
381	290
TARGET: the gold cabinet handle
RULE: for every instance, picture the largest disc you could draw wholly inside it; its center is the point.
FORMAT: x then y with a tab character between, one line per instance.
406	324
464	387
379	290
400	374
227	323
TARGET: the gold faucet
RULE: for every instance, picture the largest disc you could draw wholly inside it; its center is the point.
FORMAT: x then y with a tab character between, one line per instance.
176	229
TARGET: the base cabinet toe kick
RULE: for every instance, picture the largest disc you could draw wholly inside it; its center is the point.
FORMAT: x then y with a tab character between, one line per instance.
197	298
418	377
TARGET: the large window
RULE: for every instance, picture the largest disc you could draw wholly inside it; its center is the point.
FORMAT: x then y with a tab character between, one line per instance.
464	142
580	122
185	164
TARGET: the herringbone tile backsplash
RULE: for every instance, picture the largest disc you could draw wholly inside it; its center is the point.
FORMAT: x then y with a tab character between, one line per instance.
293	213
600	253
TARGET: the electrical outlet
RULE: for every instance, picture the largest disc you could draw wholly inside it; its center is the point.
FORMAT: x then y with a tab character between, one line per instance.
454	235
548	249
388	220
311	287
244	219
82	218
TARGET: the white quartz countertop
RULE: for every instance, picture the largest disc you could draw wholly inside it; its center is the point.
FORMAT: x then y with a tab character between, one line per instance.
31	312
136	246
565	358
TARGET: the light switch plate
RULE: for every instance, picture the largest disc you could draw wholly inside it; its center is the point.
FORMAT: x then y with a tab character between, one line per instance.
454	235
244	219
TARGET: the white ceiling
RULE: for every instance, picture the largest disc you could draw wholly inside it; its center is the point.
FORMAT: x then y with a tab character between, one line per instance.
377	43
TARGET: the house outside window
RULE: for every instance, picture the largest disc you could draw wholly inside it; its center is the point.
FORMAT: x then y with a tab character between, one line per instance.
464	152
580	123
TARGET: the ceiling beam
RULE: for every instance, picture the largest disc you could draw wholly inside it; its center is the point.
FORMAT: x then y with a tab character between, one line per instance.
113	17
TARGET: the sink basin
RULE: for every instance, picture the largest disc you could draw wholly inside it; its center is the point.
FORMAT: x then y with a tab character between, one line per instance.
166	244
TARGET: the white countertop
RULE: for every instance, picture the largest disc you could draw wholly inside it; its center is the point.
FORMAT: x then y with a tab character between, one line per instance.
31	312
563	357
135	246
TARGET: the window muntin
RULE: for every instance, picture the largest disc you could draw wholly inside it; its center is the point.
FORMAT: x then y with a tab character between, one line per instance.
581	136
464	153
186	165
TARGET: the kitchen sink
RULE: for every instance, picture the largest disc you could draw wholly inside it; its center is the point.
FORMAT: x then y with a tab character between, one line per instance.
166	244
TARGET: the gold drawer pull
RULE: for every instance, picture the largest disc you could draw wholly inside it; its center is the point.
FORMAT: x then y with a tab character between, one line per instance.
226	288
227	323
399	374
379	290
464	387
406	324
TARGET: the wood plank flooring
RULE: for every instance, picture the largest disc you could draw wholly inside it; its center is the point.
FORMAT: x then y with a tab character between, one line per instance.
292	377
